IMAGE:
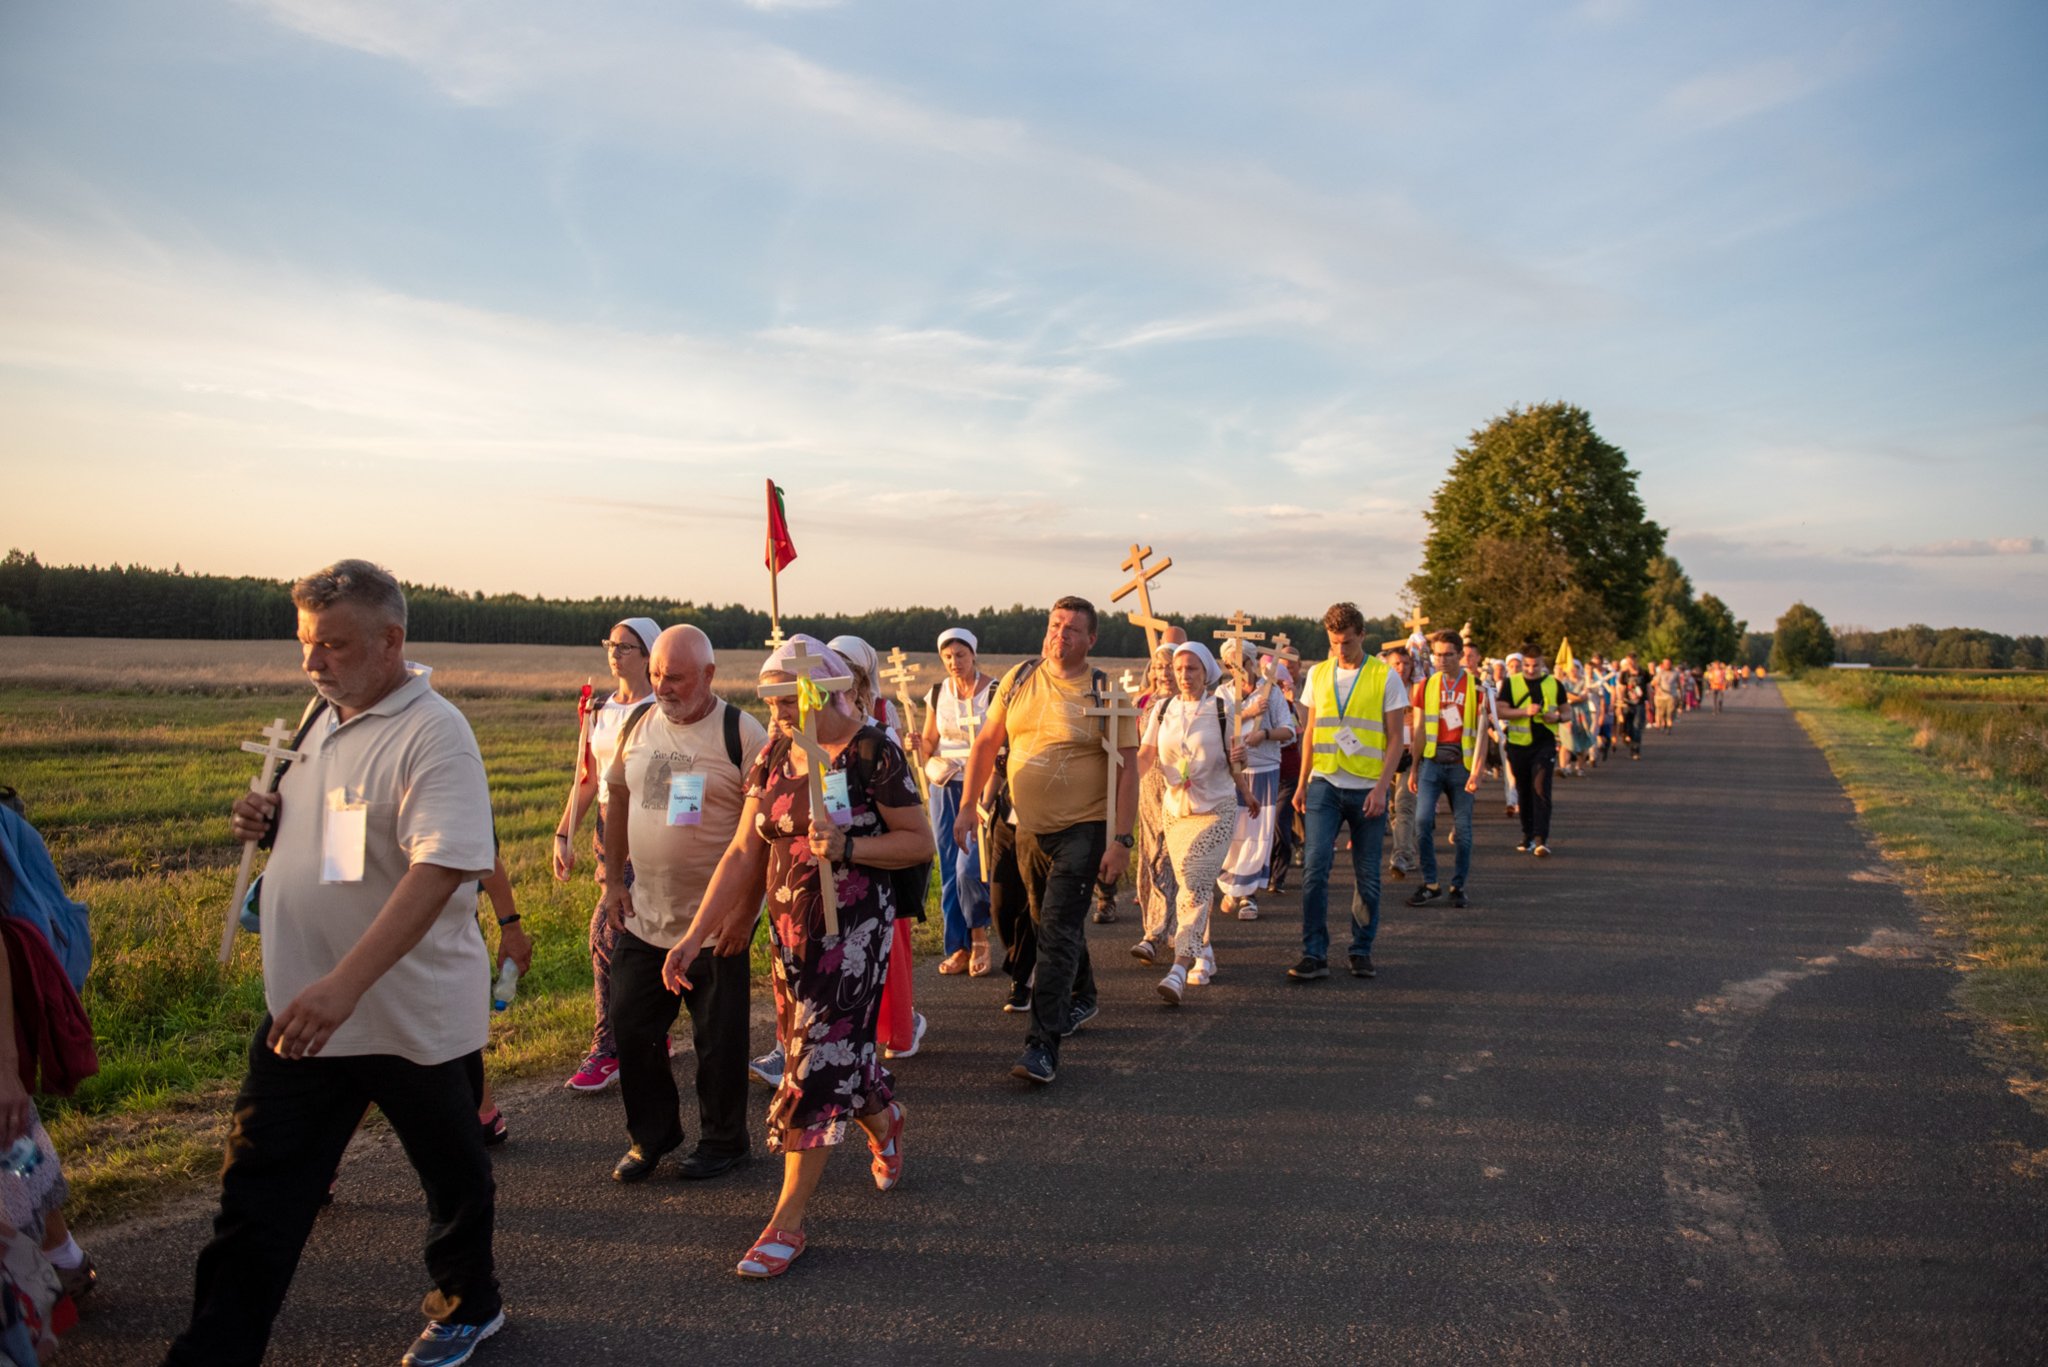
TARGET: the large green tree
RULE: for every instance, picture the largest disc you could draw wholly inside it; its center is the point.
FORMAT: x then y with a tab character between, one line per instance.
1541	475
1802	641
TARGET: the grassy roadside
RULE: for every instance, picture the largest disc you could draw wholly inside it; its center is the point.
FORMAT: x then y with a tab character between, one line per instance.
1974	846
130	792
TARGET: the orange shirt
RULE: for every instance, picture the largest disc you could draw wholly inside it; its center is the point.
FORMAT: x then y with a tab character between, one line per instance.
1450	722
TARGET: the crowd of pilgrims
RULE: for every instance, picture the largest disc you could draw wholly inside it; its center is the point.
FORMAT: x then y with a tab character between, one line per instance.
1247	768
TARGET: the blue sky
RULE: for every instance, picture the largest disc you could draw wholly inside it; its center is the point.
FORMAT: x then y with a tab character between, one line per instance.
530	296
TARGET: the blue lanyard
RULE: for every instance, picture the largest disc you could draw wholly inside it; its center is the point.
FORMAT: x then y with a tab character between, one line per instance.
1344	703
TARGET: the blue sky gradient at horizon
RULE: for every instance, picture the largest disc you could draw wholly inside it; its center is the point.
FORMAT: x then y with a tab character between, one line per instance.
525	297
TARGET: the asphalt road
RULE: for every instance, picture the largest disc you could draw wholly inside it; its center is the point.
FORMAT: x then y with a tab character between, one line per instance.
1693	1090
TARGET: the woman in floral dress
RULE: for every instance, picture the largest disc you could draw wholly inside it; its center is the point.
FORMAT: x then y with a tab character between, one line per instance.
828	988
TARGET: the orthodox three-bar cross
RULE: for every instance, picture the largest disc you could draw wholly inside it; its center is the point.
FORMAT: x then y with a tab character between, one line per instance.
902	673
775	637
1141	584
1112	709
274	747
805	665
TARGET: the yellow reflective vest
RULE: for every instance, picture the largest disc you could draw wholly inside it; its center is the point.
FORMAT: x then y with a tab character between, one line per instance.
1551	694
1432	709
1361	714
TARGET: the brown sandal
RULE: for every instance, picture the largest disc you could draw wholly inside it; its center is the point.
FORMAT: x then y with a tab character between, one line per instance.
956	962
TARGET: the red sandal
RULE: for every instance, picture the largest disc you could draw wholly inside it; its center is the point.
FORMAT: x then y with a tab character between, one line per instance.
762	1262
888	1164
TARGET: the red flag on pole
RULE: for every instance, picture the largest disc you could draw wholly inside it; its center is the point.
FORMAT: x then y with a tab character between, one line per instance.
781	550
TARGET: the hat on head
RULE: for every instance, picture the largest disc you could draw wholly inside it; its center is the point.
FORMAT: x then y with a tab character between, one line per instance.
960	634
643	627
855	651
830	664
1514	655
1211	671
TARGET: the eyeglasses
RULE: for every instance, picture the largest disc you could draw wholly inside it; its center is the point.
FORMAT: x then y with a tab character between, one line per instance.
619	647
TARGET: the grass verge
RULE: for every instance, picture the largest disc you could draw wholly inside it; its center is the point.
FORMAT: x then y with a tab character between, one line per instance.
1973	845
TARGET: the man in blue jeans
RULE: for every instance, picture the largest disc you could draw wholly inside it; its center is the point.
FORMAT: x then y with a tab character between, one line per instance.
1356	708
1448	747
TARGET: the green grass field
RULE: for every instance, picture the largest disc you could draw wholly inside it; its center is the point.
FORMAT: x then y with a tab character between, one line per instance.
131	791
1940	775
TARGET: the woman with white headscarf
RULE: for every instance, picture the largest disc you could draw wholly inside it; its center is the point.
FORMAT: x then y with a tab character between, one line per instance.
1154	871
828	988
1267	725
1188	738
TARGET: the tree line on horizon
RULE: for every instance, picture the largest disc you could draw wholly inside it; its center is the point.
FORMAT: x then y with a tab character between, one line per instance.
134	601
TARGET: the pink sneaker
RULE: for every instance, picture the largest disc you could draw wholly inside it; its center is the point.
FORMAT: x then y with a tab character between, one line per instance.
596	1074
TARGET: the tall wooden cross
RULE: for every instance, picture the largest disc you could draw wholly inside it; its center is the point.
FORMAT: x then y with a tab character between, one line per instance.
902	673
1112	709
274	747
1416	623
1141	584
805	665
1238	622
1284	648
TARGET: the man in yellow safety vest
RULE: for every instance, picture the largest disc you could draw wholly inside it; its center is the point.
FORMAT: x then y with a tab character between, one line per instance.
1356	710
1448	750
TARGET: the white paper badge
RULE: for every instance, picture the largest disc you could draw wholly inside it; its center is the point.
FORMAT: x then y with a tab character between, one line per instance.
343	836
1348	741
685	799
838	805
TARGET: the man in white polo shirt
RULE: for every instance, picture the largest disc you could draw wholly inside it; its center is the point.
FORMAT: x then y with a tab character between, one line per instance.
375	977
678	784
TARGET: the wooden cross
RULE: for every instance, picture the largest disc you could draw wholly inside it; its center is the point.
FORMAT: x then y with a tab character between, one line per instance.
1417	622
776	640
902	673
1238	622
1130	685
273	748
1141	584
815	761
1112	709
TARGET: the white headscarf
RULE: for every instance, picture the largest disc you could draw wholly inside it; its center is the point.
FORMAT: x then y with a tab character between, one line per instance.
831	665
1211	671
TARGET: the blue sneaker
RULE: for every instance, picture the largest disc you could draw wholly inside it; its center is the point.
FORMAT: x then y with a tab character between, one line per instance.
767	1069
444	1345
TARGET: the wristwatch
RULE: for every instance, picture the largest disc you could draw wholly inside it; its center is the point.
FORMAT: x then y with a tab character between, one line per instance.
1125	840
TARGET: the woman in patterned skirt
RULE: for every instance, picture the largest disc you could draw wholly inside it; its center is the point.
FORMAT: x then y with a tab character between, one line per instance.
828	988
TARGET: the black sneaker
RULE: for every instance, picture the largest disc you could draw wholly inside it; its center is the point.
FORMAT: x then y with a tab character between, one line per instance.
1035	1065
1424	895
1309	969
1458	898
1083	1012
1104	914
1361	966
1019	999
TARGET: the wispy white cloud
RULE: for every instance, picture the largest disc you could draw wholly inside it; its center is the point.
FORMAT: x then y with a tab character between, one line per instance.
1966	546
791	6
1715	98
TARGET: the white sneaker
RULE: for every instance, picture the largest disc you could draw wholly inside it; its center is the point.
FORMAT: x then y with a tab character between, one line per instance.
917	1028
1172	985
1248	909
1203	971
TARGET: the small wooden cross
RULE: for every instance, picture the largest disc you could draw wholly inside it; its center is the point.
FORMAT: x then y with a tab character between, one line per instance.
273	748
1417	622
1141	584
776	639
1112	709
1130	685
1284	648
902	673
815	761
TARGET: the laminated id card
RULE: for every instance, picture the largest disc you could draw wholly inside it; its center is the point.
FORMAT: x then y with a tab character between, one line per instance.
838	805
344	833
685	799
1348	741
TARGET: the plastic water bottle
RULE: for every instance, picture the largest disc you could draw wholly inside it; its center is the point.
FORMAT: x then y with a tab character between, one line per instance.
23	1157
507	986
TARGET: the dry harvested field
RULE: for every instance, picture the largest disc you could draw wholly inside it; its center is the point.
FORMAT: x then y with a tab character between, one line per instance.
96	664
